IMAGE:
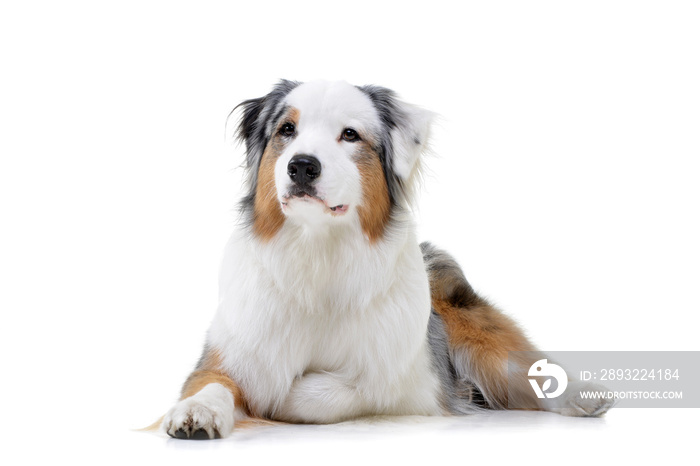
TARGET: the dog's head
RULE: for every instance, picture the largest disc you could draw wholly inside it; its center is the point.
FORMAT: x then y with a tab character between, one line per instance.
328	153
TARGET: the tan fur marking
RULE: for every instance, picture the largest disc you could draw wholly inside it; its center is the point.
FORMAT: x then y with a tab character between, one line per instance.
208	372
267	213
482	328
485	336
375	208
153	427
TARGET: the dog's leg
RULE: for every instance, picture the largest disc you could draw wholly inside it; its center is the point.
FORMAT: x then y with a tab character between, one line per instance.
320	398
207	404
480	339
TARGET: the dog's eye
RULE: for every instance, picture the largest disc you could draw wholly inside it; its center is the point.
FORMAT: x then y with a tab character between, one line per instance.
350	135
287	129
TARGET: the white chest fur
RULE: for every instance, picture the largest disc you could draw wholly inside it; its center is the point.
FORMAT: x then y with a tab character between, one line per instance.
322	328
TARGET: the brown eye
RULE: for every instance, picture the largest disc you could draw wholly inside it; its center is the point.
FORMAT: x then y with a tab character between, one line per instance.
287	129
350	135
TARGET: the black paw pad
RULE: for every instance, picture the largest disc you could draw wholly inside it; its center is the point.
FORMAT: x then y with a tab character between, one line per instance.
181	434
199	434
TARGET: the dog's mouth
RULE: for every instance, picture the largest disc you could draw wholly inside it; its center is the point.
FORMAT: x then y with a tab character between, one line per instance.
305	196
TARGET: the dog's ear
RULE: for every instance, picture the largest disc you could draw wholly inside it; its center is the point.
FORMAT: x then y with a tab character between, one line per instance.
255	126
410	138
250	131
405	139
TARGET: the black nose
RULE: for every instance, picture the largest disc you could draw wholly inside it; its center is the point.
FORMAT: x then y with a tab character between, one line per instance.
304	169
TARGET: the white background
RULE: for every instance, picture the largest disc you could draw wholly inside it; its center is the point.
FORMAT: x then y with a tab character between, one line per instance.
565	181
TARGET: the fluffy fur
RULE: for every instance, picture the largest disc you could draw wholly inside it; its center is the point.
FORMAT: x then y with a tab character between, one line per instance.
329	309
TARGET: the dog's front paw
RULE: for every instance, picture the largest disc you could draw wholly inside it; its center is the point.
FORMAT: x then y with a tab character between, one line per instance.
209	414
583	399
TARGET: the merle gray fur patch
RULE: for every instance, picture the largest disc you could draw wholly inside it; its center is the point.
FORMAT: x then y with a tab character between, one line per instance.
459	396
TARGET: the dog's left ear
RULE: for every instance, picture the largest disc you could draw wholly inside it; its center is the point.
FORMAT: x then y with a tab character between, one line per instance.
410	138
407	129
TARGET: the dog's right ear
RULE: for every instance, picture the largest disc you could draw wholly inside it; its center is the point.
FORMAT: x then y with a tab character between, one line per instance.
256	124
251	130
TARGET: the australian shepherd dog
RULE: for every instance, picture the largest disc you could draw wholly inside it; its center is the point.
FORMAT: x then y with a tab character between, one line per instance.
329	308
